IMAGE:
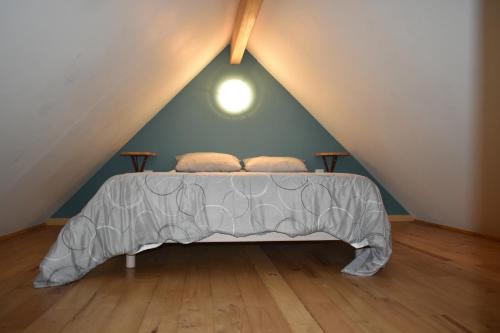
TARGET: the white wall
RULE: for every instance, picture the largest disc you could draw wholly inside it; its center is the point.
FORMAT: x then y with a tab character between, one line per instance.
79	78
395	81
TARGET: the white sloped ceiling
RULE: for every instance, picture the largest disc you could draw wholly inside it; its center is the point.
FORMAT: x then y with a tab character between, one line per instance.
79	78
394	81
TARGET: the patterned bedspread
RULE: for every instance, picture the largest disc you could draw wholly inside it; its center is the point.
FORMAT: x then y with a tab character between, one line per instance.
136	209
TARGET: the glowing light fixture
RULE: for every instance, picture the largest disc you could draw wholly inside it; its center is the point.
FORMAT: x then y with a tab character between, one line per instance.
234	96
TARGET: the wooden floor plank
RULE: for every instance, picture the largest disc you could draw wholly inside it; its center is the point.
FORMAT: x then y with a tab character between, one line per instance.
128	314
230	314
297	316
23	259
359	306
301	279
262	310
75	300
163	310
196	313
436	281
92	317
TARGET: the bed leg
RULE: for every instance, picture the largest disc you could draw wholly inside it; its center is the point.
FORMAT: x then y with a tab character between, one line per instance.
129	261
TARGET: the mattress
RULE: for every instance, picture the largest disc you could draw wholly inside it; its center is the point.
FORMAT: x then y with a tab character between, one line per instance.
134	210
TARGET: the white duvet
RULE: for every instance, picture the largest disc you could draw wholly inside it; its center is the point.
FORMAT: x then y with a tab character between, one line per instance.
133	210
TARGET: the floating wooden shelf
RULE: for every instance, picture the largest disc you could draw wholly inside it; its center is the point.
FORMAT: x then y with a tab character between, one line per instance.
138	153
135	157
333	155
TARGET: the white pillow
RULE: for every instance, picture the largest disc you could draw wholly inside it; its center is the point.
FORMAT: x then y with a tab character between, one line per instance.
274	164
207	162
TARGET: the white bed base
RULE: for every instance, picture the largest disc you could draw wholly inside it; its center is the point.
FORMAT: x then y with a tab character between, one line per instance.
223	238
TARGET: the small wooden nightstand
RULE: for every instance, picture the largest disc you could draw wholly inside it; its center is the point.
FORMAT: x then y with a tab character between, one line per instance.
135	156
334	156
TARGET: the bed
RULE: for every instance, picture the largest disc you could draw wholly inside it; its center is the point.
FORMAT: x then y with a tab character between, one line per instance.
139	211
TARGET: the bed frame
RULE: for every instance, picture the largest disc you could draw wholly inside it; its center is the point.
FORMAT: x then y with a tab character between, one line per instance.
223	238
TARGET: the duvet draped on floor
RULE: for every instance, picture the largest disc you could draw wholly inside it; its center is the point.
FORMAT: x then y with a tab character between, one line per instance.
132	210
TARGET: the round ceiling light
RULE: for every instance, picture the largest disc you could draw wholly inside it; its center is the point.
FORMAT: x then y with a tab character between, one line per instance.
234	96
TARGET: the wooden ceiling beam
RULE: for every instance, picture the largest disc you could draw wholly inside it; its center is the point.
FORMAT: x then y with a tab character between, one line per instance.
243	25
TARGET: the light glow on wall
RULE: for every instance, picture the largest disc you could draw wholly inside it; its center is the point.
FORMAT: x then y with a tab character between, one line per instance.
234	96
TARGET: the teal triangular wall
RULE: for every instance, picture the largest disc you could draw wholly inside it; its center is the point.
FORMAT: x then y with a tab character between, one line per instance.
276	124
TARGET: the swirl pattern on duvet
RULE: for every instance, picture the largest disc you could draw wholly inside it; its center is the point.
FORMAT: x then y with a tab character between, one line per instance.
136	209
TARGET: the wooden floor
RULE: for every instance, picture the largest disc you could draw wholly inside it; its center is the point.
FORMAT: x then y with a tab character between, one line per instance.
436	281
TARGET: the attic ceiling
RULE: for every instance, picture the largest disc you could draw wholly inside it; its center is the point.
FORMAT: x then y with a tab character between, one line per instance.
393	81
79	78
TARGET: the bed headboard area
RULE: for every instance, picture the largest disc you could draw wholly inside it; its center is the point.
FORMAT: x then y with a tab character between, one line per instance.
275	124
